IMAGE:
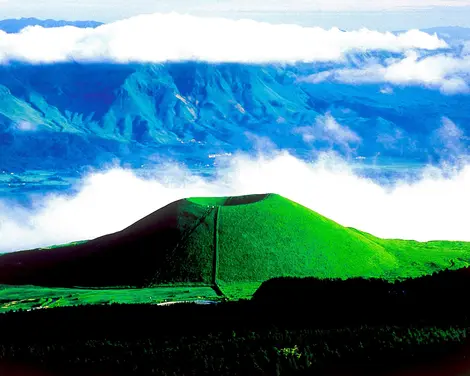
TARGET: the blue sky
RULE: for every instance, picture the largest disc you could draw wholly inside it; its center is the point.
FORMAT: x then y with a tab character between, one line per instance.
346	14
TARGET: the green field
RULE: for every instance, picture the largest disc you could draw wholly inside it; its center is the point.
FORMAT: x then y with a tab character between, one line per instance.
33	297
292	240
228	243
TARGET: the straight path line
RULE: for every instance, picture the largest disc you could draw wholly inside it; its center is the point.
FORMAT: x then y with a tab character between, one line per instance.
215	267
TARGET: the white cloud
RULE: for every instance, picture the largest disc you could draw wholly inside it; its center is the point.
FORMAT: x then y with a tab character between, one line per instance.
433	207
261	144
326	128
466	48
450	140
25	126
386	90
444	72
163	37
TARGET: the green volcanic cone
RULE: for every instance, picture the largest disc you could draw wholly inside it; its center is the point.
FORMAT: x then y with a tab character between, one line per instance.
228	241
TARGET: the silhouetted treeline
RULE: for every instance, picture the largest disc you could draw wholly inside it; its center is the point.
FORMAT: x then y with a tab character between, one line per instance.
275	351
440	297
291	326
292	303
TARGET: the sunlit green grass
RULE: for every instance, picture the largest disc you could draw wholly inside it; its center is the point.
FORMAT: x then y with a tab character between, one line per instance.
278	237
33	297
240	242
65	245
239	290
274	236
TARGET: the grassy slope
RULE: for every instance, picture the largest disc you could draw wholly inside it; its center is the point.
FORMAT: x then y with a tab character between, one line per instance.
292	240
257	239
33	297
64	245
277	236
420	258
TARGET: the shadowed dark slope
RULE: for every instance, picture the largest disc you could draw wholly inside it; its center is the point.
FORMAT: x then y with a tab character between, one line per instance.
154	248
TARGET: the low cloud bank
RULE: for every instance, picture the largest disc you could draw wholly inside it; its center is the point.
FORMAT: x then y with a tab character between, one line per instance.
447	73
176	37
435	207
327	129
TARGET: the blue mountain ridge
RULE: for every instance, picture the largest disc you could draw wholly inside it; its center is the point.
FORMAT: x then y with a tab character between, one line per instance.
67	115
13	25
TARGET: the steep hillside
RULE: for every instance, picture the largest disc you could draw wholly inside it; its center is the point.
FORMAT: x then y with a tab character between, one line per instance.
70	115
172	245
228	241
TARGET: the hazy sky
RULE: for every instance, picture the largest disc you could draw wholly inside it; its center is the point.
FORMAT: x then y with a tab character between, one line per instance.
347	14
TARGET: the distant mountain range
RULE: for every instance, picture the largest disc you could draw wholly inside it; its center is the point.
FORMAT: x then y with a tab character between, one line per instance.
66	115
16	25
450	32
69	115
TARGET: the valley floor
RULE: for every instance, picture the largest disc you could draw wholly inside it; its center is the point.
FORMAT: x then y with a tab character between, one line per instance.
13	298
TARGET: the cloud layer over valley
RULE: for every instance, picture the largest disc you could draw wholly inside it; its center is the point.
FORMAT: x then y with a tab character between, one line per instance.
447	73
167	106
435	207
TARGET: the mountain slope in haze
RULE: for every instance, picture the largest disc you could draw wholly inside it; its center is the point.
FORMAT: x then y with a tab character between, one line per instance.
450	33
70	115
15	25
227	241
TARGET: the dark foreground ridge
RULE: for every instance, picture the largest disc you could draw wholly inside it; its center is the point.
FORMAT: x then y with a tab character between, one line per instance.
211	241
363	326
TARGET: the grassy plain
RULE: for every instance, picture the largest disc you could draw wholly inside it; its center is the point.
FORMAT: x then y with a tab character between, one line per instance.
13	298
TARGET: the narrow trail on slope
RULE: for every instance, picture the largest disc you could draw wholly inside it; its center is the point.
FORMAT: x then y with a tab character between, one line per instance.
185	236
216	252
